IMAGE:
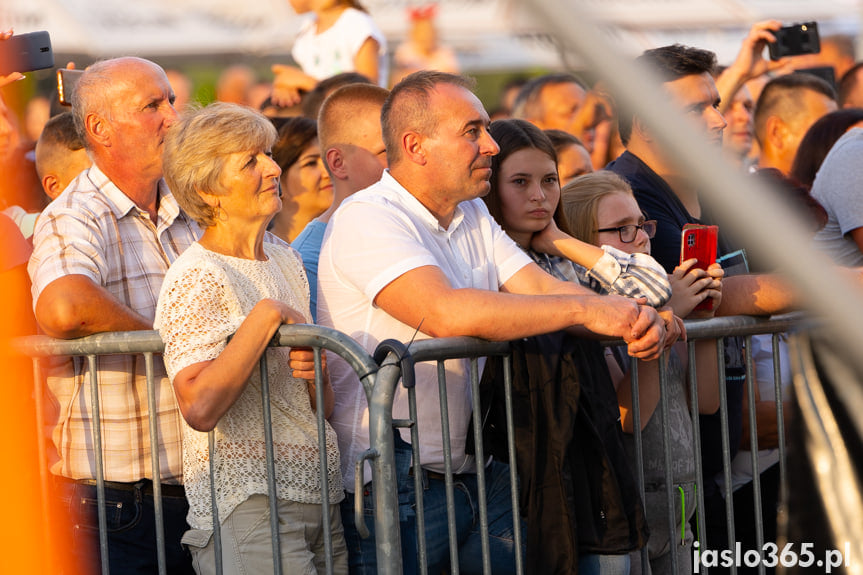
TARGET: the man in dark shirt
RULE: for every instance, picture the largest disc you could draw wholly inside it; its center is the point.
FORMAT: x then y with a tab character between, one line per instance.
668	197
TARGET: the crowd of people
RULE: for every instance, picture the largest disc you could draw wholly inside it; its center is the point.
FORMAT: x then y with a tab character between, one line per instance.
401	213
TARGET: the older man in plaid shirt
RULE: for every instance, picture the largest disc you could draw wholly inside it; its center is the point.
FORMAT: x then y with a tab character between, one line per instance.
100	253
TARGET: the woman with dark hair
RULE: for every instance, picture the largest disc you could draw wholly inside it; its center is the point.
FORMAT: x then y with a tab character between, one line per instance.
305	184
596	518
525	201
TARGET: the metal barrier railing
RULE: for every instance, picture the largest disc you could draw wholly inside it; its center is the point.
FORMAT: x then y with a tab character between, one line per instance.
440	350
149	344
394	362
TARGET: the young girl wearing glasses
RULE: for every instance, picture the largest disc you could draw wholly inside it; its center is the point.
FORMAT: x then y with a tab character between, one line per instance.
601	209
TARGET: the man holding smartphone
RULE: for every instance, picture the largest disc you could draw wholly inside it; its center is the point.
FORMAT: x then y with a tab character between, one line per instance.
100	252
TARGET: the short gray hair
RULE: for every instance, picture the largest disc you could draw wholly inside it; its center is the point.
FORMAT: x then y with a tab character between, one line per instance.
407	107
196	148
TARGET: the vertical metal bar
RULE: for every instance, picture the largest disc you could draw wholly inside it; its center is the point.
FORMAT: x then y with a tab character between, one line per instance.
45	486
513	471
695	412
322	457
753	451
214	504
100	469
155	467
666	450
726	447
418	482
639	447
696	439
384	481
480	466
447	453
780	421
271	467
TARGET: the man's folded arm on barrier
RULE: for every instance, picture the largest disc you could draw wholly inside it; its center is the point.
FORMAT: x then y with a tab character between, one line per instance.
424	295
74	306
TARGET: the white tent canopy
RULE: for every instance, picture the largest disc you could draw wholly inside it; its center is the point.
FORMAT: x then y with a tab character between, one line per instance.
487	34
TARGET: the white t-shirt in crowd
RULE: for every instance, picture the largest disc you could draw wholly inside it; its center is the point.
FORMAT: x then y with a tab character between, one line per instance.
376	236
332	51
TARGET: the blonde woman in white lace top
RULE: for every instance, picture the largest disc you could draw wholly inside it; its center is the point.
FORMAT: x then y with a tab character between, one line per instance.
237	281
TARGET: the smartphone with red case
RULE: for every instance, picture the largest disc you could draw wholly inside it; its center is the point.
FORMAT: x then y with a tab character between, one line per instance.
700	242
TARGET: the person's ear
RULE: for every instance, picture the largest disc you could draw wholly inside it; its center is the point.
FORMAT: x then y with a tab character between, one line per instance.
51	186
640	128
776	132
98	129
412	143
335	161
211	200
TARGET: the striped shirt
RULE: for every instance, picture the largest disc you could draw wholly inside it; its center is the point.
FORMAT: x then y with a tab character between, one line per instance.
94	229
616	272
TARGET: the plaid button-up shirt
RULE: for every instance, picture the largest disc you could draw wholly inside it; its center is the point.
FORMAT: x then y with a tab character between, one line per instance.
95	230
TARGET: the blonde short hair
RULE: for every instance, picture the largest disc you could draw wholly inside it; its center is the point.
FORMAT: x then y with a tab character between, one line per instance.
198	144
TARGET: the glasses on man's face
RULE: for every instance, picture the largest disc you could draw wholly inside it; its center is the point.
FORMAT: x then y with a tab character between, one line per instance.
627	233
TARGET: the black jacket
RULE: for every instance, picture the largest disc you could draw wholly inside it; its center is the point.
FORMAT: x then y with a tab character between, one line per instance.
577	489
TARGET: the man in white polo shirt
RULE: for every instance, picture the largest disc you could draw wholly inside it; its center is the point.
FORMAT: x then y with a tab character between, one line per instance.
419	251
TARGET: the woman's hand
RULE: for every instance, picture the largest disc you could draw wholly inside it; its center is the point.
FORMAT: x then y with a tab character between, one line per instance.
674	328
302	362
13	76
544	240
690	286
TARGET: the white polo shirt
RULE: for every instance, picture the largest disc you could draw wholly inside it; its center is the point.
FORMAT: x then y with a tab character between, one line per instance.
376	236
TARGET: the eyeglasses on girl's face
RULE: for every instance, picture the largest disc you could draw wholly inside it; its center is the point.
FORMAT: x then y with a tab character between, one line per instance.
628	232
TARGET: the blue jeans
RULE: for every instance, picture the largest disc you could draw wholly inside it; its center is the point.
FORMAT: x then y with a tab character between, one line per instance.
361	552
603	565
131	524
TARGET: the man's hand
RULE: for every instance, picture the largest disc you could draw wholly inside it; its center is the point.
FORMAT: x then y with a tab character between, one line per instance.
639	325
648	334
289	81
750	62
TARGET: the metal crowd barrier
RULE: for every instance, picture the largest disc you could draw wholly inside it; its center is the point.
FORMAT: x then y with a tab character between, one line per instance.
149	344
393	363
440	350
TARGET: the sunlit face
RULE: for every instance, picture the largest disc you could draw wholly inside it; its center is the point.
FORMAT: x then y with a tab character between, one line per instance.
460	150
621	209
573	161
142	111
740	116
698	97
529	193
251	179
560	103
307	184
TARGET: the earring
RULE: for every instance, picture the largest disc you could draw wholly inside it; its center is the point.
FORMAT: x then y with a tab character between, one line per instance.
220	214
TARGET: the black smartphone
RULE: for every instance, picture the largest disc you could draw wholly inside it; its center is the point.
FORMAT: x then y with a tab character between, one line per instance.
795	40
26	52
66	81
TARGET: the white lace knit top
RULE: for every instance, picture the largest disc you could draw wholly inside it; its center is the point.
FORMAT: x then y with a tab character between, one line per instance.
204	299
